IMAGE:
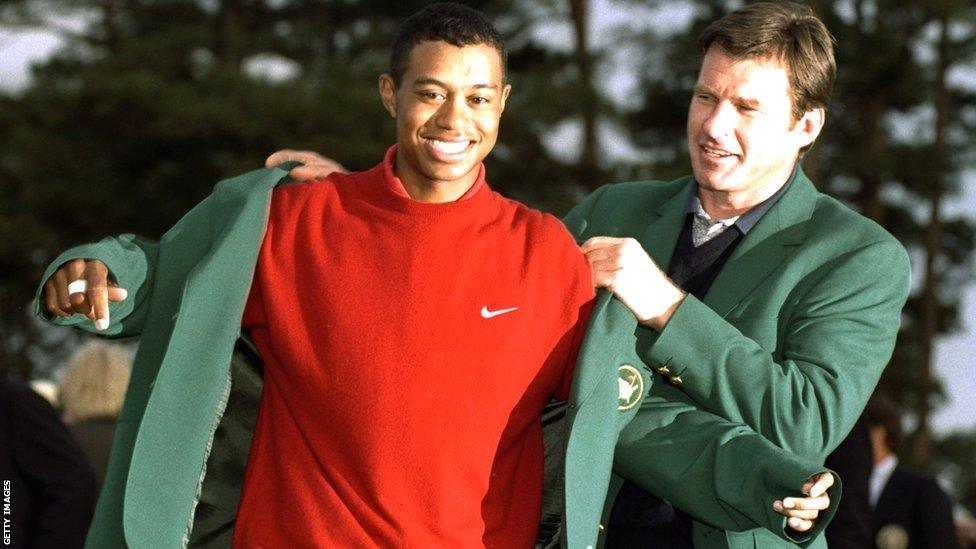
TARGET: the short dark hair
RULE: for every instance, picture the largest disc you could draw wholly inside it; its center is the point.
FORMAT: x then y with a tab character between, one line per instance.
882	412
785	31
443	22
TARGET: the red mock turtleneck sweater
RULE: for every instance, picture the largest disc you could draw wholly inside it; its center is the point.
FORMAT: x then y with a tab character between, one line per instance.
409	349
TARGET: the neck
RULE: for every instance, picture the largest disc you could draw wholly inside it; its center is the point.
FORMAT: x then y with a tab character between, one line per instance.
880	454
423	189
435	192
725	204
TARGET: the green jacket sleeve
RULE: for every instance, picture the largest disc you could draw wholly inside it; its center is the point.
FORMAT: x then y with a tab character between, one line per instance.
720	472
131	262
832	342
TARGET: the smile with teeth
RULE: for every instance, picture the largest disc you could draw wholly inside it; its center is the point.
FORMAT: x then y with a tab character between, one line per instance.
448	147
718	153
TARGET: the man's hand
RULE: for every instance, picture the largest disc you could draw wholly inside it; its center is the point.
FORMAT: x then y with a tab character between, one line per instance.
83	287
622	266
315	166
802	513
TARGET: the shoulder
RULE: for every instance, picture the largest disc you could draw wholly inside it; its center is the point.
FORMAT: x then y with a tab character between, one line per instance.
621	198
257	183
537	226
608	207
638	194
842	228
917	480
299	194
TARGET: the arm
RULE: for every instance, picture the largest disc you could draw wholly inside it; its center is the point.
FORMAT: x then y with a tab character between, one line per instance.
833	340
804	356
125	264
719	472
129	263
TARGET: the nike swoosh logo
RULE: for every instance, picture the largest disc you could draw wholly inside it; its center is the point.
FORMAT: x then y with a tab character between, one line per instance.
485	313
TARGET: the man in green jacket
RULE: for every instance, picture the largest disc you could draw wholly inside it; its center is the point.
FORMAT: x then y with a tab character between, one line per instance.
184	432
764	301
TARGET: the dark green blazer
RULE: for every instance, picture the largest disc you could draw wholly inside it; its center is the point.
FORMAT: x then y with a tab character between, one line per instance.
184	431
790	340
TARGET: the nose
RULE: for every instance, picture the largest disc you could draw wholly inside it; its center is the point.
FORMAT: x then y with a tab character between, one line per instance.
720	120
453	114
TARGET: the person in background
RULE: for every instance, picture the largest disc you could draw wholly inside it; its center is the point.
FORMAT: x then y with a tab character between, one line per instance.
910	509
47	389
91	393
47	485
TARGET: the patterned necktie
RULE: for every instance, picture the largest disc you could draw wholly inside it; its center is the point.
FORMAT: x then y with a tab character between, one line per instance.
703	228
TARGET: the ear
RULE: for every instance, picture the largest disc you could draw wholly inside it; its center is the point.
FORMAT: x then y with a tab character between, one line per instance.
809	125
388	94
505	91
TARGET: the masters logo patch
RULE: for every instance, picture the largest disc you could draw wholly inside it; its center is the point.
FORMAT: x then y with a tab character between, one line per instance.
630	385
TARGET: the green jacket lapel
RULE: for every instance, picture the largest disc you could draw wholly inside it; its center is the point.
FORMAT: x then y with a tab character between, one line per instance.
765	248
173	440
595	415
661	235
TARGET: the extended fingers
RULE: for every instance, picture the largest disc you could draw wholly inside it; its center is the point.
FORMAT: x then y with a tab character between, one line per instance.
96	275
802	512
116	294
74	270
798	519
818	485
59	282
311	172
800	525
604	265
55	303
323	166
808	510
287	155
598	242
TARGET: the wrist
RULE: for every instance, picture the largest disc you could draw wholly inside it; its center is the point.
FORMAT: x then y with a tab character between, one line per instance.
665	311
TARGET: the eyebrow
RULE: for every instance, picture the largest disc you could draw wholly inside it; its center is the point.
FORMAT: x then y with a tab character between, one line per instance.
428	81
746	101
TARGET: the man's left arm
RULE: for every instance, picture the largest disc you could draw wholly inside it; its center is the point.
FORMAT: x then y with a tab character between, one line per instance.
834	335
720	472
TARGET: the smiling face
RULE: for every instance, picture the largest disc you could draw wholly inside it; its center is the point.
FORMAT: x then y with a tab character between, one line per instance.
447	110
742	136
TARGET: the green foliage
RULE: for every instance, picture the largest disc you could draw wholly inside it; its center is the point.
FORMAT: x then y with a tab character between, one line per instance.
954	457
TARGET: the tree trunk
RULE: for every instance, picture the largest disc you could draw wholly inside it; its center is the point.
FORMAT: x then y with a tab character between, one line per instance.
588	169
933	247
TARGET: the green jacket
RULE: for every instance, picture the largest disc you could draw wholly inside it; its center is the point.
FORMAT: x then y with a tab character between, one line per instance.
184	431
790	339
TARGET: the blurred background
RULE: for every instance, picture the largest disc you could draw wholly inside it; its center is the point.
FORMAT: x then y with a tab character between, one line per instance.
119	115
